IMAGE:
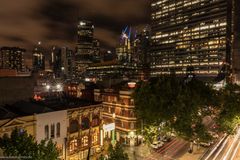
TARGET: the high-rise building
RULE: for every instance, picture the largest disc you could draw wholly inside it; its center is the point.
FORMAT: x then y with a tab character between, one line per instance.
38	58
84	52
140	53
124	49
96	51
12	58
194	36
56	61
67	62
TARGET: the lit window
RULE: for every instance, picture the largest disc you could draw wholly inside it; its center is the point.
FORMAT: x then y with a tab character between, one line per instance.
73	145
95	138
85	141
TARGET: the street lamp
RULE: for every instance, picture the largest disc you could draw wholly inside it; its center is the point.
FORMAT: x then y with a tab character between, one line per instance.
113	131
58	86
48	87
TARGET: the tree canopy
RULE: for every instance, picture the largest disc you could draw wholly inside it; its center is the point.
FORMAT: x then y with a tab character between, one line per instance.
117	153
229	109
22	144
176	104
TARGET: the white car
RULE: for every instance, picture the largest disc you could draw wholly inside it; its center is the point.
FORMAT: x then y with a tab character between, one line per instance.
213	134
205	144
157	144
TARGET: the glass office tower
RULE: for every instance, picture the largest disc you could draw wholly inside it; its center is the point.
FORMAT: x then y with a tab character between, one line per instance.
192	36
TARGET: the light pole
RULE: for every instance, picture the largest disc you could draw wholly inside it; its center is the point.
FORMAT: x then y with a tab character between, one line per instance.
65	148
113	131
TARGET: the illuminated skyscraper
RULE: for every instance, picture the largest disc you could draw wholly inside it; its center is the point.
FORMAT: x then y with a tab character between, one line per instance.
194	36
12	58
124	48
38	58
84	52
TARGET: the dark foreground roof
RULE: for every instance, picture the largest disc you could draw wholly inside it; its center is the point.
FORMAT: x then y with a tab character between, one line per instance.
25	108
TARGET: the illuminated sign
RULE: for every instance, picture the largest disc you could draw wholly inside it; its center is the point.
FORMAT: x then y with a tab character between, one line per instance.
131	84
109	127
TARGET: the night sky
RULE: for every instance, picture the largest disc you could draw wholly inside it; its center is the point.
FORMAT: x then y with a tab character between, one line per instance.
25	22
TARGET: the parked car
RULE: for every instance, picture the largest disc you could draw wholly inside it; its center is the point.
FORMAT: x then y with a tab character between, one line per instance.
157	144
205	144
213	134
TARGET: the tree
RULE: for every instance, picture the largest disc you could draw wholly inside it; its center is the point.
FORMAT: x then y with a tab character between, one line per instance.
229	110
117	153
177	105
22	144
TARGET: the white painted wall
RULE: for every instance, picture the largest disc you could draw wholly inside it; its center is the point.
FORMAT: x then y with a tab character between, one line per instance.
52	118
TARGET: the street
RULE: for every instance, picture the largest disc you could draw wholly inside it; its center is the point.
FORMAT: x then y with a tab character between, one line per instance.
226	149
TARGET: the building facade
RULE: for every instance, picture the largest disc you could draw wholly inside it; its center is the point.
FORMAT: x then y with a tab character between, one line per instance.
96	51
56	61
118	109
141	52
192	36
12	58
111	70
67	62
76	130
124	48
53	125
84	132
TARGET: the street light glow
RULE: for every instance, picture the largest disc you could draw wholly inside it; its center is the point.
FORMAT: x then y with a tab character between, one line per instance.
59	86
48	87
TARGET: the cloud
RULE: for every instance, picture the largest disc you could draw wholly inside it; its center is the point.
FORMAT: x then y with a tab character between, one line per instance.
54	22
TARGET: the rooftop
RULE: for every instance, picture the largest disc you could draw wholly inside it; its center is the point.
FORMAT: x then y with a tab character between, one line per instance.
26	108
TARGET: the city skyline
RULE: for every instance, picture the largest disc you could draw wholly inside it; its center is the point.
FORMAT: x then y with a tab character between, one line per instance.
120	80
42	21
